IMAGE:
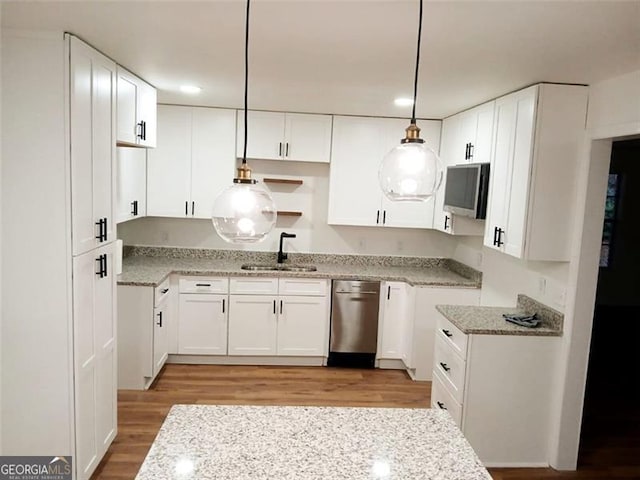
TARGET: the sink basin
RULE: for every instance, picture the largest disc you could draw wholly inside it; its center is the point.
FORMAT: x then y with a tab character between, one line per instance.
290	267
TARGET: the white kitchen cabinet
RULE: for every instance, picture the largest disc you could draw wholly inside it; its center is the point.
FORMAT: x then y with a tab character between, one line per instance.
203	315
193	162
359	144
285	136
131	183
475	135
144	318
302	326
95	356
423	331
394	322
202	327
539	133
450	154
263	321
93	151
498	387
137	117
253	324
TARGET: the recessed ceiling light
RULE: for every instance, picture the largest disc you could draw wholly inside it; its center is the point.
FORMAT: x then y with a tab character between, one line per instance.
403	102
192	89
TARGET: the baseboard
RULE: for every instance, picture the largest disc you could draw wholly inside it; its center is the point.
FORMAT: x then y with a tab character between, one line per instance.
247	360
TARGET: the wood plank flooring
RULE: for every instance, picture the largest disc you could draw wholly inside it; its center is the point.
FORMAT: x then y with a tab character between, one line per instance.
140	414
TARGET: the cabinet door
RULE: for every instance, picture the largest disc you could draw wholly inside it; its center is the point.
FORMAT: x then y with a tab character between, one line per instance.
252	325
266	135
202	326
148	113
410	214
131	181
520	178
212	159
466	136
128	98
302	326
160	337
450	126
501	165
307	137
169	165
94	356
92	99
358	146
392	343
481	149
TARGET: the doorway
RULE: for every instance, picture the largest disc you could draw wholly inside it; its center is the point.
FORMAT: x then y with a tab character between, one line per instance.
610	433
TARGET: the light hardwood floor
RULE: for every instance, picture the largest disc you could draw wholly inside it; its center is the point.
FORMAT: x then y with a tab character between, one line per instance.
140	414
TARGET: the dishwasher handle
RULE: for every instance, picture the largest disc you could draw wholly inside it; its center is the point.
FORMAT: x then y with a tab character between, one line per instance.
357	292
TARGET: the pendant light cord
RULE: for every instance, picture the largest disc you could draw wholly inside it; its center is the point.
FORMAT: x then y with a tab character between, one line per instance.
415	81
246	81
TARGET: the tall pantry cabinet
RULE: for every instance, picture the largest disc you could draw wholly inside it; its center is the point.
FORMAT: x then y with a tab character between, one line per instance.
58	333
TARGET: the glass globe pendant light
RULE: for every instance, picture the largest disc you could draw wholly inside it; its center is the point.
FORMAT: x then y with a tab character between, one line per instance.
245	211
412	171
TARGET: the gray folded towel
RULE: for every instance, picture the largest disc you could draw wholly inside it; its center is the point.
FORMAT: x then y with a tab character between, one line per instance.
530	321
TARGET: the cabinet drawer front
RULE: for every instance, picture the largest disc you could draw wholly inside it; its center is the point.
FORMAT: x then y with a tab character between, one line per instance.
161	292
254	286
451	367
441	398
303	286
452	335
204	285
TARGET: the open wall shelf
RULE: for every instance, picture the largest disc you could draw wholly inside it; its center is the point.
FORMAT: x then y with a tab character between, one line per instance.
286	181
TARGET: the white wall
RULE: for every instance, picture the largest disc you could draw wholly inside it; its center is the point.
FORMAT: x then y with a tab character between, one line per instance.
37	408
313	233
614	111
504	277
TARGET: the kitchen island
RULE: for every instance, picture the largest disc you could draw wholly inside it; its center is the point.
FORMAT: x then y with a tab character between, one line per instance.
305	443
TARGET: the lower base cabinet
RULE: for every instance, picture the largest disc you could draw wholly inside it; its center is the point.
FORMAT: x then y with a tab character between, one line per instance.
497	387
283	325
144	316
202	328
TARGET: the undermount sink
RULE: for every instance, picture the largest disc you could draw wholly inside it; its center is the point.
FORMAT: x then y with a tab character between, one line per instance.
292	267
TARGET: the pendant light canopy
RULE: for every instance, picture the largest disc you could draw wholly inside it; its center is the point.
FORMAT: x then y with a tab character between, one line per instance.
412	171
245	211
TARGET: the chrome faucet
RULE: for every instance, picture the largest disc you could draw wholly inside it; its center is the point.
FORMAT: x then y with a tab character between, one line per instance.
281	255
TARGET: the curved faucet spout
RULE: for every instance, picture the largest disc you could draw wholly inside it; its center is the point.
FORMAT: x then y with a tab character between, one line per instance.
281	255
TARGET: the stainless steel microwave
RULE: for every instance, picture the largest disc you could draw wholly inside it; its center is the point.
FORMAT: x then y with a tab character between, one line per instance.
466	190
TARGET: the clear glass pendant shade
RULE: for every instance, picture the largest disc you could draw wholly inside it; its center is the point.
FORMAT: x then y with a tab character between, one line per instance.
410	172
244	213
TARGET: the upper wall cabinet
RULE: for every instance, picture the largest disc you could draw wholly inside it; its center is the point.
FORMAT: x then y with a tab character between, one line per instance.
286	136
474	136
451	153
355	198
137	104
193	163
131	184
539	132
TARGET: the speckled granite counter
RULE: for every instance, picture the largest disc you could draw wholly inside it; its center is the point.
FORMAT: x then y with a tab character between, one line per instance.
149	267
489	320
308	443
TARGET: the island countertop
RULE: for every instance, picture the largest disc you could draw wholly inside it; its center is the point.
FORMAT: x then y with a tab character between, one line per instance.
251	442
151	270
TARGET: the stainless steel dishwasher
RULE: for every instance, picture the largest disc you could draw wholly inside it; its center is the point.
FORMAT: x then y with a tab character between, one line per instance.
354	323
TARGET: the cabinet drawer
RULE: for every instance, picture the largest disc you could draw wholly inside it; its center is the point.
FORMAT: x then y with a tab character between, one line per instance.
161	292
452	335
442	398
254	286
450	366
303	286
204	285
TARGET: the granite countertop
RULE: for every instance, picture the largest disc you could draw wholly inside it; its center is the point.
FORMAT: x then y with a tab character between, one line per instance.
479	320
151	269
308	443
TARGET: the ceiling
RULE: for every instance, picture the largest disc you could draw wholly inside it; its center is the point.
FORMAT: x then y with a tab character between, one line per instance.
350	56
